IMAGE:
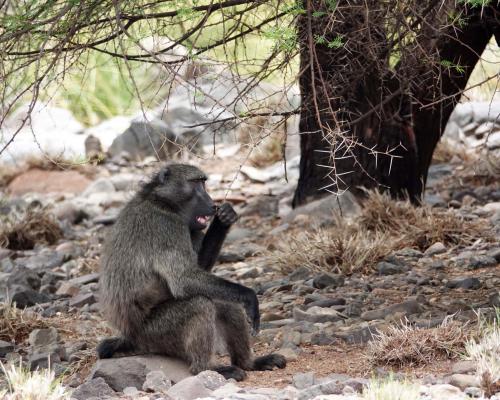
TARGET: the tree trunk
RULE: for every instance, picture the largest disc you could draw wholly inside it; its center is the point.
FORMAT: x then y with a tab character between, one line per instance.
396	123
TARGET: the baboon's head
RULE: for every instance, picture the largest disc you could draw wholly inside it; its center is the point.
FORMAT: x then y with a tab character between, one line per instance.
181	189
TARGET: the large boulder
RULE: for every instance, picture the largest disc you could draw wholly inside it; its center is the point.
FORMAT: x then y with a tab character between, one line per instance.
123	372
48	131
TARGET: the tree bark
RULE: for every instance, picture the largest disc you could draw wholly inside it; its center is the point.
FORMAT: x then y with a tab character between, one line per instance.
396	123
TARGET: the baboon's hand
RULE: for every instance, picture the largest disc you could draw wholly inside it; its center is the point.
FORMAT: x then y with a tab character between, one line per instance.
226	214
252	309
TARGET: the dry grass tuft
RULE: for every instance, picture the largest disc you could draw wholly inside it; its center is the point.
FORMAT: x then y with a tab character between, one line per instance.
16	324
38	385
485	352
391	389
420	226
405	345
447	149
383	227
345	248
32	228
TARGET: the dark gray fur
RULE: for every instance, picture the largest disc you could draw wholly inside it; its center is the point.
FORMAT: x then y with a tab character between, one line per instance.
156	286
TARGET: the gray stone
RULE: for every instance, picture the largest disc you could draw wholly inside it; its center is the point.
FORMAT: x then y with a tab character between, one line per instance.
331	387
463	381
101	185
190	388
211	380
84	279
82	299
131	391
323	209
463	367
328	280
474	392
43	360
444	391
43	337
143	139
436	248
23	277
299	274
408	307
303	380
156	381
131	371
386	268
317	314
469	283
27	297
96	387
495	299
5	347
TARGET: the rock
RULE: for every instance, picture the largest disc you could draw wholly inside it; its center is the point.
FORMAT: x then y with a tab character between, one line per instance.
156	381
82	299
474	392
237	234
96	387
386	268
5	347
43	360
211	380
24	277
472	261
263	206
326	303
469	283
27	297
101	185
299	274
190	388
357	335
317	314
85	279
436	248
408	307
67	289
463	381
42	181
230	257
143	139
331	387
131	371
288	353
131	391
324	209
495	299
444	391
328	280
69	211
463	367
43	337
303	380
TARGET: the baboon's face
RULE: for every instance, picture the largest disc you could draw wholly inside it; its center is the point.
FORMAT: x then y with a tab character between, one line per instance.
183	188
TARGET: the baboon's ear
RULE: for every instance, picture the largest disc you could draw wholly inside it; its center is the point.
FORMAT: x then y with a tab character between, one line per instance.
163	175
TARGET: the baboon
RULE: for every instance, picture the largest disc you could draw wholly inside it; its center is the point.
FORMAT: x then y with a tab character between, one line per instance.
156	287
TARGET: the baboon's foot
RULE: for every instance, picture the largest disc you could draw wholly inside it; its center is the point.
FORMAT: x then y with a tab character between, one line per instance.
269	362
108	347
231	371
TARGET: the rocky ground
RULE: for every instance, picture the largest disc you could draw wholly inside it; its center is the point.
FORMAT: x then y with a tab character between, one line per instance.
324	320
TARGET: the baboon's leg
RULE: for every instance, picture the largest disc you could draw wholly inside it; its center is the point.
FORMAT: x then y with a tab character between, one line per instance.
186	329
233	324
183	329
234	327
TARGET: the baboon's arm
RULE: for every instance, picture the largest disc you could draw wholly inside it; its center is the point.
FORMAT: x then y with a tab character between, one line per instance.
186	280
217	232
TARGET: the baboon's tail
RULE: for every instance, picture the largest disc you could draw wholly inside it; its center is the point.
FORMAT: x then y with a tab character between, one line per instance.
110	346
